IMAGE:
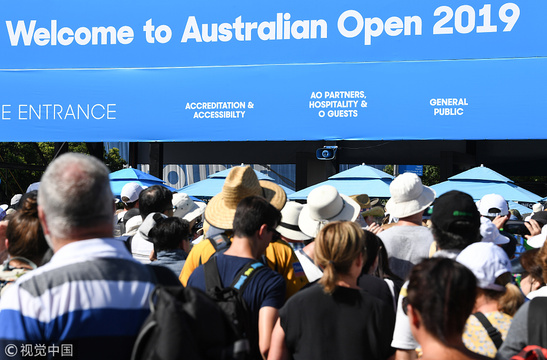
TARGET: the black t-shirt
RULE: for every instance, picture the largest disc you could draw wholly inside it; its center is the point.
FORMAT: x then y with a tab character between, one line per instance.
349	324
377	288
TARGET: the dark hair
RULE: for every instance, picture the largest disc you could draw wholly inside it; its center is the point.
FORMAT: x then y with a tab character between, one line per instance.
373	247
168	233
510	248
24	232
251	213
128	205
541	260
156	198
461	235
376	248
443	291
531	266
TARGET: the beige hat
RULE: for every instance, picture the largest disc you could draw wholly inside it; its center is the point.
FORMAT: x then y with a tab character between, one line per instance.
186	208
362	199
325	205
408	196
240	183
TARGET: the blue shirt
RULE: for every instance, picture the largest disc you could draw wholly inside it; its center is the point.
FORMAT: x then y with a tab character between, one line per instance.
91	296
172	259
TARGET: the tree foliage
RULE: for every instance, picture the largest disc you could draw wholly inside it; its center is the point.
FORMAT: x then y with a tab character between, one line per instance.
430	175
14	181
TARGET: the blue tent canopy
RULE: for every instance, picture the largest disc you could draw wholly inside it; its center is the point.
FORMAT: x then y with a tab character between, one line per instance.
481	181
211	186
362	179
521	208
121	177
117	185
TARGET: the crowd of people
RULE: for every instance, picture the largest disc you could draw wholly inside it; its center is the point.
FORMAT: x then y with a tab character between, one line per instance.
341	276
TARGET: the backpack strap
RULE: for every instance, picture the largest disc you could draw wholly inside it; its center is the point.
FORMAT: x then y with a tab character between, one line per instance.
220	242
212	276
537	322
241	280
494	333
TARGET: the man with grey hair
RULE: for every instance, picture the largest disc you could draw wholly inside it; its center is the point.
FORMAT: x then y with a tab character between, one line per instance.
90	300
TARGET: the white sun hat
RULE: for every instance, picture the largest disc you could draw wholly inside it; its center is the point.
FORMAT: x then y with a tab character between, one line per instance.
408	196
289	222
325	205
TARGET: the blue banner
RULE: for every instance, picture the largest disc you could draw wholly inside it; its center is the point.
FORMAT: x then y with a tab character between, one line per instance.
37	34
284	70
486	99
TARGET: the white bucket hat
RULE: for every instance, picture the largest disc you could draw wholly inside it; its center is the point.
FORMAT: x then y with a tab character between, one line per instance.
324	205
408	196
487	261
289	222
490	233
186	208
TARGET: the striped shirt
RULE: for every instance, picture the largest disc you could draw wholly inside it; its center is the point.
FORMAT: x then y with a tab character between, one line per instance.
92	295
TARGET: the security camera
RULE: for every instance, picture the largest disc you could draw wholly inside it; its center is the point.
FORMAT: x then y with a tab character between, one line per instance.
326	153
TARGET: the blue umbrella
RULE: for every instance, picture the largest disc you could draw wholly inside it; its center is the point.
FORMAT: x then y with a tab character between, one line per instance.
362	179
133	174
117	185
121	177
211	186
481	181
521	208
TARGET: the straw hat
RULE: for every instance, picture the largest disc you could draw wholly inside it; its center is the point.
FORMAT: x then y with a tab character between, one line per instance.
289	222
240	183
324	205
376	211
362	199
408	196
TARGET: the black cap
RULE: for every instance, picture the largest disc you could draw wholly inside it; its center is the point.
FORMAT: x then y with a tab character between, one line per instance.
454	206
540	217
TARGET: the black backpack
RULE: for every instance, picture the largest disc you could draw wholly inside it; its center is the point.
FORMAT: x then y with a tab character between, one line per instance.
185	323
230	300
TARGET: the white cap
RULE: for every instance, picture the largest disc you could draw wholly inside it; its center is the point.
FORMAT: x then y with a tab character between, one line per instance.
538	240
490	233
131	191
537	207
15	199
487	261
493	202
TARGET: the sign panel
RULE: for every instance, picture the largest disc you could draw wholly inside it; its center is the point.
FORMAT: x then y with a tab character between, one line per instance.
363	70
488	99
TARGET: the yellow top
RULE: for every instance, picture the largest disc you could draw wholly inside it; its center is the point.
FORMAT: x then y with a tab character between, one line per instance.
280	257
476	338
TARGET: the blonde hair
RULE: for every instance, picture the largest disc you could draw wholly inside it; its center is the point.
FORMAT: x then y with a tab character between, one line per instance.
337	245
511	301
